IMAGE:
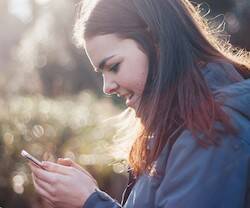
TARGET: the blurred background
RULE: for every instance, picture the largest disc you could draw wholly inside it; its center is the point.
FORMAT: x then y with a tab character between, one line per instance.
51	103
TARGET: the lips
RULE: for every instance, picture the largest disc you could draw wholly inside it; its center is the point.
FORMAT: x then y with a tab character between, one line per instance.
130	101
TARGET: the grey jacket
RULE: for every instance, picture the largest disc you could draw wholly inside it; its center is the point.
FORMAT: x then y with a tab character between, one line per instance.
190	176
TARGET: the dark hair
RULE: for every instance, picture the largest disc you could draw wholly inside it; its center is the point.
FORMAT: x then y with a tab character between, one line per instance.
178	44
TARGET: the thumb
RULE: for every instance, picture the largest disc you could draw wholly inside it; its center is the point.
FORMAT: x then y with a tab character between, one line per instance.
65	161
69	162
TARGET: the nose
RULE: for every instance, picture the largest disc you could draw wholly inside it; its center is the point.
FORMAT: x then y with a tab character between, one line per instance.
109	86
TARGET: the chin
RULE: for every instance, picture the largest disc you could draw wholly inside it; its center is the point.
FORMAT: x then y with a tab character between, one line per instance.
135	110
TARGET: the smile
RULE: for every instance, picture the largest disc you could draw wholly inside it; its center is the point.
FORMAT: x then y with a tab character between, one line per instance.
131	100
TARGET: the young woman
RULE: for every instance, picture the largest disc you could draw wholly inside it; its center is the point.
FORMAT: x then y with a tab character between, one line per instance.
191	92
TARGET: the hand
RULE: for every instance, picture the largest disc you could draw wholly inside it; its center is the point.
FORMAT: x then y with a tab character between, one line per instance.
63	186
69	162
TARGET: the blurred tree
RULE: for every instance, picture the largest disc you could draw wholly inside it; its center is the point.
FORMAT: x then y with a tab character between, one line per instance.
37	55
49	51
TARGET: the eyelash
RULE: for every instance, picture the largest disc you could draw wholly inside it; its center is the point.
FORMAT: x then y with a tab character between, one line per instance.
115	67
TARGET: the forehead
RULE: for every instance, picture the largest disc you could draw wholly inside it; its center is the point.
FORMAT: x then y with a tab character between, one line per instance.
102	46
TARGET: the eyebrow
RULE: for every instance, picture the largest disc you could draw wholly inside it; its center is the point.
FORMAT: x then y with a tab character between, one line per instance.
103	63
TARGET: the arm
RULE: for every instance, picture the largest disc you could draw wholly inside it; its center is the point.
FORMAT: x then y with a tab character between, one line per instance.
198	177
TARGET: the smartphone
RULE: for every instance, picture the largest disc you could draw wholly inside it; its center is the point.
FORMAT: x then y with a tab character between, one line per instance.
31	158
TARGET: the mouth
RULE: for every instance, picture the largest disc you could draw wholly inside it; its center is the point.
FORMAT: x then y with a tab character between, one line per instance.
131	100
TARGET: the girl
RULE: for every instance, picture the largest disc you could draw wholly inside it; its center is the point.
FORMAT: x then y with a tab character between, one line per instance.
191	92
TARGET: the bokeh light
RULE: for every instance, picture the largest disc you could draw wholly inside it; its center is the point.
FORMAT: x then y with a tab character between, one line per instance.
21	9
18	184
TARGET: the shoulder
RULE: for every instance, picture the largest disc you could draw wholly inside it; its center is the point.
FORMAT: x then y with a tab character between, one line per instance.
223	78
232	92
193	171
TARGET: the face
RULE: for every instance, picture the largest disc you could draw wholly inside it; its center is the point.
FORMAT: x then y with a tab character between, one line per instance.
123	65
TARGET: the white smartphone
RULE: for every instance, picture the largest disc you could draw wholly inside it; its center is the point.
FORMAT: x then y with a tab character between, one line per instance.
31	158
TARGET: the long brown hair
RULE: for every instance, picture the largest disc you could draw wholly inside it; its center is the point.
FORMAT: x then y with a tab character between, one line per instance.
178	43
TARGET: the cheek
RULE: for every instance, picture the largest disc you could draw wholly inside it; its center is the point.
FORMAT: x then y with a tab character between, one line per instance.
142	75
133	81
139	79
135	71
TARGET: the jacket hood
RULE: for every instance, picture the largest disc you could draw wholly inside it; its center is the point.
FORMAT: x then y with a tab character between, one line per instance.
228	87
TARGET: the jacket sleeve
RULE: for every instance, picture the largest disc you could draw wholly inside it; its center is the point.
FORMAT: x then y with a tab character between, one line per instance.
100	199
198	177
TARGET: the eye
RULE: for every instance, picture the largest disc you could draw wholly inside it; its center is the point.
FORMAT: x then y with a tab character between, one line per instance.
115	67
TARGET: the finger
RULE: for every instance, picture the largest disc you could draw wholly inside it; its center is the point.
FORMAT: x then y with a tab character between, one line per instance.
69	162
43	193
44	185
64	161
56	168
44	175
45	196
47	203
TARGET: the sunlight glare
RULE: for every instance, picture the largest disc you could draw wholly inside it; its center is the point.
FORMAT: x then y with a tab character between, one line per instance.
41	2
21	9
